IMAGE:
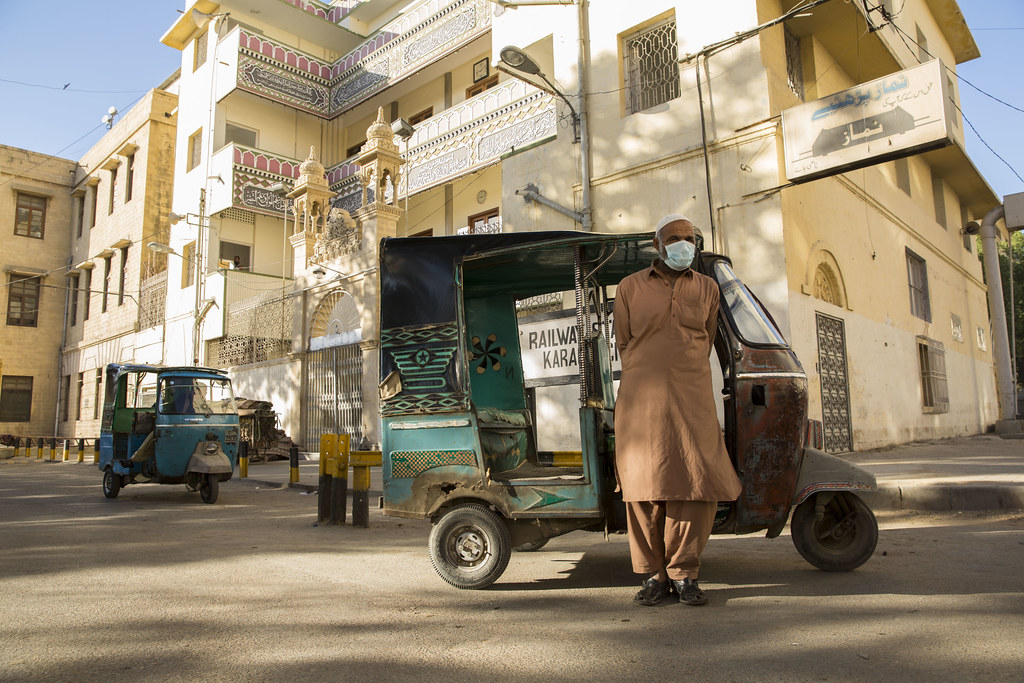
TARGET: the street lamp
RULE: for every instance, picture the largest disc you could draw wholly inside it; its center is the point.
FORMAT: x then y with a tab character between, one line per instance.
514	58
404	130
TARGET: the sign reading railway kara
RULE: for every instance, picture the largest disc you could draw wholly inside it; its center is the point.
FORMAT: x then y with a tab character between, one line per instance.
905	113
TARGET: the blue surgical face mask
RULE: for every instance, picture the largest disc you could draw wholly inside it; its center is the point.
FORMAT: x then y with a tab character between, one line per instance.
678	255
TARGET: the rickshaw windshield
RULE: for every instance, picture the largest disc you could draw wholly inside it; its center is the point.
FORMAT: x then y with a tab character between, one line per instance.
196	395
750	320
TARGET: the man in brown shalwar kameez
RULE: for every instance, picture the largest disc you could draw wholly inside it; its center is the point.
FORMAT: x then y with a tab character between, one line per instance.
670	457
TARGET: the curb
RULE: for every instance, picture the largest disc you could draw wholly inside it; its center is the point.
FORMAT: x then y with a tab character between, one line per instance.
946	497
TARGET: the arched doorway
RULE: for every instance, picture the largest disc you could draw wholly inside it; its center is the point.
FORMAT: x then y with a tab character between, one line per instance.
334	370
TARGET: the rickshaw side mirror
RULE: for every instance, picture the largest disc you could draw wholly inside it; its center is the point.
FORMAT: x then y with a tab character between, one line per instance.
391	386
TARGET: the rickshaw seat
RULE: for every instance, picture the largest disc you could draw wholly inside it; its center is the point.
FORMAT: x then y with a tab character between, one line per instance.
504	437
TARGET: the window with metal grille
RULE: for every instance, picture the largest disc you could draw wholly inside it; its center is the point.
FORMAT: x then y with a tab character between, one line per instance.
15	399
97	401
65	389
87	294
73	309
23	301
917	276
195	149
113	189
188	272
106	283
129	178
81	214
122	275
80	395
30	215
932	358
650	66
794	63
199	55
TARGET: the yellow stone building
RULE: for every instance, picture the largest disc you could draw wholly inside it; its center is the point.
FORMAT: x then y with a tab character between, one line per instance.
603	116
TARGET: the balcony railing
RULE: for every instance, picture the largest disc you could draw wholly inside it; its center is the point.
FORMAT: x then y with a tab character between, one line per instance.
282	73
257	319
459	140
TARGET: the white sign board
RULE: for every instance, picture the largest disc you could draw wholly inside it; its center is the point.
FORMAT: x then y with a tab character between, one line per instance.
905	113
549	345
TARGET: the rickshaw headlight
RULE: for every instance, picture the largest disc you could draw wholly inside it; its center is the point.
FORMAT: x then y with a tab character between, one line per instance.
211	448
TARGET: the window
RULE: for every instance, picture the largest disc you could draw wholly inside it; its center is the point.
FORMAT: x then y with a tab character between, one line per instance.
97	395
195	149
73	309
30	216
23	301
486	222
188	273
917	276
651	70
422	116
95	192
79	396
121	276
113	189
922	46
87	294
199	50
233	133
106	283
932	357
903	175
354	149
939	195
477	88
15	399
794	63
129	178
65	389
957	327
81	213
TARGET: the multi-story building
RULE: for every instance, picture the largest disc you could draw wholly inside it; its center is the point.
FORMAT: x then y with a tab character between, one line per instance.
602	116
35	220
121	201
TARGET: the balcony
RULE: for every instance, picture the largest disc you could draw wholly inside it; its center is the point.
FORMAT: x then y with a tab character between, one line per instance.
473	134
281	73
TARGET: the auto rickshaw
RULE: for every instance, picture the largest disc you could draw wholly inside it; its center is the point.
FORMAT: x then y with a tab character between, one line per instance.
168	425
459	430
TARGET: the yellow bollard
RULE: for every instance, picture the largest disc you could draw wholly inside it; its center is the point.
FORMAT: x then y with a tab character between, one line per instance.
328	451
64	450
17	447
339	483
39	449
81	450
243	459
53	449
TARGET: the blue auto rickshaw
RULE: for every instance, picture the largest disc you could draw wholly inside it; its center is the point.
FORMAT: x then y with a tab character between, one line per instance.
168	425
459	416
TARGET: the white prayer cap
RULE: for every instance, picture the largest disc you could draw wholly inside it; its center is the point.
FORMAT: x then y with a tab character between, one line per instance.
671	218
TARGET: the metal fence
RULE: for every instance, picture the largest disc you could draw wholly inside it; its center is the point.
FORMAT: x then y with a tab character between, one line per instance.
334	396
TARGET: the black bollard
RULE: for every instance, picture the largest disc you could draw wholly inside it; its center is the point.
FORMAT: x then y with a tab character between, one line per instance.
323	503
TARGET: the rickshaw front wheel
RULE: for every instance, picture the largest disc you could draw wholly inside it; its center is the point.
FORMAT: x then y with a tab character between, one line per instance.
209	488
470	547
842	539
111	483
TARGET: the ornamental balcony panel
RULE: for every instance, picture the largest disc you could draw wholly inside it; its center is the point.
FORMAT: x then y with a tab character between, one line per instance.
459	140
284	74
248	173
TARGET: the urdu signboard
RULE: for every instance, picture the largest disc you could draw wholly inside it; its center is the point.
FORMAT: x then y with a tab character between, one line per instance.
905	113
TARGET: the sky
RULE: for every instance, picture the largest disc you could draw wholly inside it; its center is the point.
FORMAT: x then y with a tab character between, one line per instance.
59	78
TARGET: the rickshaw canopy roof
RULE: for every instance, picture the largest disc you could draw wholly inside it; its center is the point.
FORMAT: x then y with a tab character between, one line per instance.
115	370
418	274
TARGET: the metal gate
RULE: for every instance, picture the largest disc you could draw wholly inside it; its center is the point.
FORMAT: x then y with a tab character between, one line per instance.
835	385
334	393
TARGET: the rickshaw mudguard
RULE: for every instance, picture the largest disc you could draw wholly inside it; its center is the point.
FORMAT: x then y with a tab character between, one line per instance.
824	472
212	463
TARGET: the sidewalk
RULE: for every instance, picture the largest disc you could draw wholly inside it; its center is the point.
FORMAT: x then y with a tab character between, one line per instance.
983	472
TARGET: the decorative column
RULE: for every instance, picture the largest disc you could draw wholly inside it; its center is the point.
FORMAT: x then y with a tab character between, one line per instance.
311	201
380	169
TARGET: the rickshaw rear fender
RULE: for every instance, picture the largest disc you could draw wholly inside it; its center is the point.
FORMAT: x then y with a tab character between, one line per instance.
824	472
214	463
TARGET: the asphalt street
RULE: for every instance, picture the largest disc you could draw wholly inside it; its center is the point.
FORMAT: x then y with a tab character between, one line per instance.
155	585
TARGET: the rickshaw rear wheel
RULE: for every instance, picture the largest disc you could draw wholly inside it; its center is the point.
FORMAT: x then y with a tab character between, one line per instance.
209	488
470	547
111	483
845	536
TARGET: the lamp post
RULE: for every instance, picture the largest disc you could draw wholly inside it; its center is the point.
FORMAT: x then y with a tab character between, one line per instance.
200	269
518	61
